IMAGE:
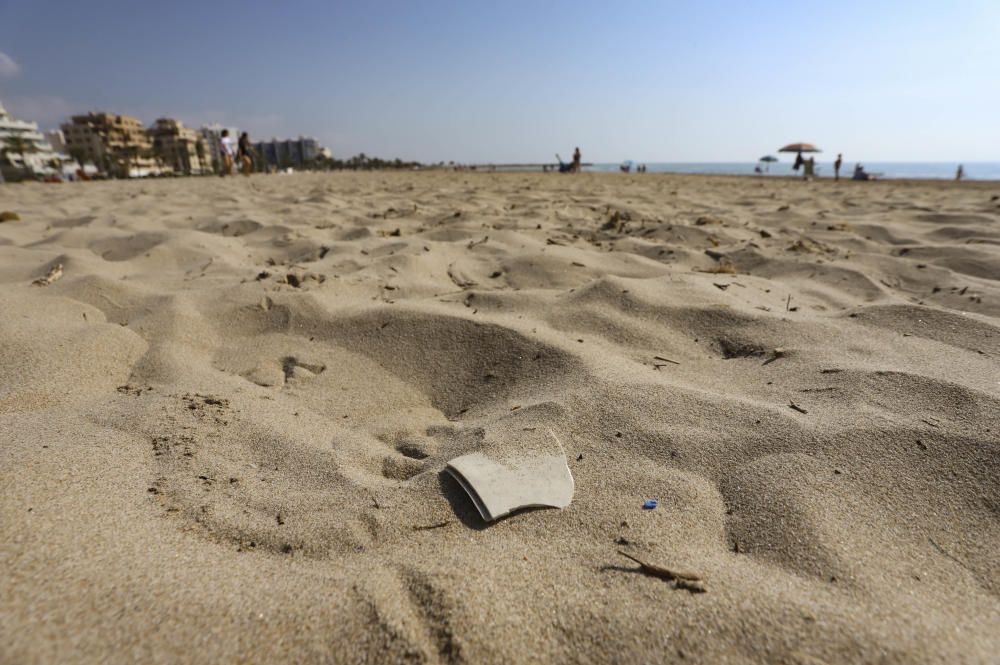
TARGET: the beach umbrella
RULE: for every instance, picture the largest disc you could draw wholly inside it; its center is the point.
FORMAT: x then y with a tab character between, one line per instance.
800	147
768	158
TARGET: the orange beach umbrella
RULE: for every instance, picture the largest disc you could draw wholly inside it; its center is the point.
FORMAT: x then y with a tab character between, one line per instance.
800	147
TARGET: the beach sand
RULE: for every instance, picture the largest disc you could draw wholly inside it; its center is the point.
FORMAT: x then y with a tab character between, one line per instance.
224	427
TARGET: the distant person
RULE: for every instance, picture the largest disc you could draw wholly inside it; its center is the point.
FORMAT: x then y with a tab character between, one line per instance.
245	152
836	166
758	170
799	161
227	151
859	173
960	173
577	163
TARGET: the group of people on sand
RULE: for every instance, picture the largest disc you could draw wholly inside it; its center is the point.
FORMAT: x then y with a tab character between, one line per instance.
808	167
241	153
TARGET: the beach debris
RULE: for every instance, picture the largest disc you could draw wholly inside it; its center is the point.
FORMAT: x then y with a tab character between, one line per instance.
618	218
666	360
460	280
650	504
778	353
9	216
714	254
55	272
688	580
721	287
498	488
428	527
765	234
808	246
795	407
297	280
707	219
722	268
950	555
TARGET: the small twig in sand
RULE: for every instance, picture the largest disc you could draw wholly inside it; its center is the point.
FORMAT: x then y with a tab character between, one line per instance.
682	579
428	527
666	360
796	407
788	301
950	555
55	272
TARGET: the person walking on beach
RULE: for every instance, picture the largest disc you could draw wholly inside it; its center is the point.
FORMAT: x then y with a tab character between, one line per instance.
244	152
576	160
836	166
227	152
960	173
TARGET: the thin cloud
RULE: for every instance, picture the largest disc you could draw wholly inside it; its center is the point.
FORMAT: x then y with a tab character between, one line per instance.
8	68
47	110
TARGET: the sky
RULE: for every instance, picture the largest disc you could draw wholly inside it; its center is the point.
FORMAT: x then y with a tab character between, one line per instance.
518	81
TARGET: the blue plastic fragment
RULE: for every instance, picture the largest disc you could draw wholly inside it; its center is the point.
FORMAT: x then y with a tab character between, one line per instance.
650	504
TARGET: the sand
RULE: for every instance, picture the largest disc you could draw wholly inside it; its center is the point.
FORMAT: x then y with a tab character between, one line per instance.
224	426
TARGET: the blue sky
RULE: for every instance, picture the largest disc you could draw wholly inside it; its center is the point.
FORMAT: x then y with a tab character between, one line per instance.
715	80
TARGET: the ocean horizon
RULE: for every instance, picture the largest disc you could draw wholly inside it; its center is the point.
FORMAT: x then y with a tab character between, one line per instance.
889	170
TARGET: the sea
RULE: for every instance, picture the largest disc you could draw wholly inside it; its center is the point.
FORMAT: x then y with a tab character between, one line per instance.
920	170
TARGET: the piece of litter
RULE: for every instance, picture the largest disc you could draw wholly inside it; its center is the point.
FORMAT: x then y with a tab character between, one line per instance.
55	272
650	504
498	489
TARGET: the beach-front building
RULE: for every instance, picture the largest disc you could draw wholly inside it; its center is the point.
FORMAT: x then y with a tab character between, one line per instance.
179	148
212	134
287	152
24	152
57	140
118	144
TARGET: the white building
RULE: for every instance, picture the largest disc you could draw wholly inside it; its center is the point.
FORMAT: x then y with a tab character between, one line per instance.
213	135
57	140
24	152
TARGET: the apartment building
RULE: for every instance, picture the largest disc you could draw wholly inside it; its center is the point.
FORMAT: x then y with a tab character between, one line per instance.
287	152
24	152
118	144
178	148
